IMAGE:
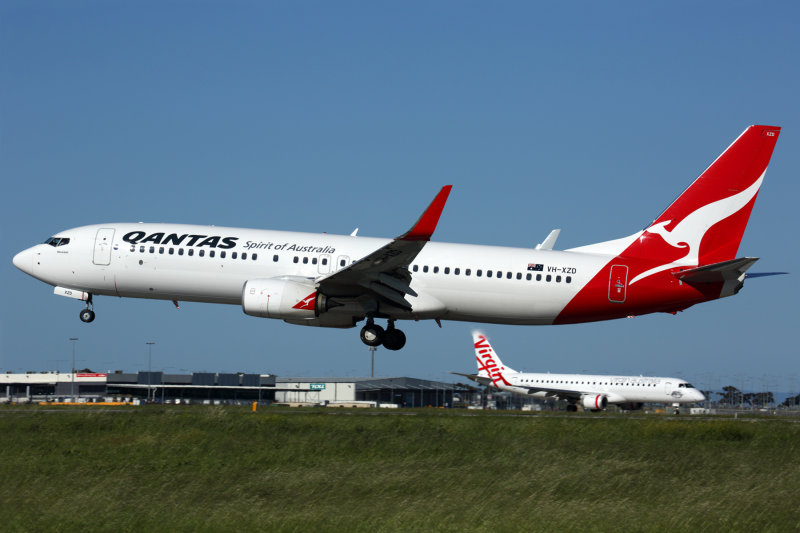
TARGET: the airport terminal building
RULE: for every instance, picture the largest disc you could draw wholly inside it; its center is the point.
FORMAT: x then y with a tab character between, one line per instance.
205	387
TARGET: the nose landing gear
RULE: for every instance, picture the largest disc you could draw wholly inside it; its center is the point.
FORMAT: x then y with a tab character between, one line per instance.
87	315
374	335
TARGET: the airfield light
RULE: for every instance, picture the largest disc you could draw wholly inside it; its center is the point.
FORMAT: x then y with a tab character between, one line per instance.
72	388
149	366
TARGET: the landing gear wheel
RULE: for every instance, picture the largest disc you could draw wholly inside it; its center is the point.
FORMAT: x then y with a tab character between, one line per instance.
87	315
372	335
394	339
572	408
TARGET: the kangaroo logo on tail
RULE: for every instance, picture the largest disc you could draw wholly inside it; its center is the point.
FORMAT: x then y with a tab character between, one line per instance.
489	364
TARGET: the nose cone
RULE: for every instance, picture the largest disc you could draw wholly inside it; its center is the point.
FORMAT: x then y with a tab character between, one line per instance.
24	260
700	397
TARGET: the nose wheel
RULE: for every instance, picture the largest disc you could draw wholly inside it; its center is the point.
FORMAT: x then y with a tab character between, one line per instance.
87	315
374	335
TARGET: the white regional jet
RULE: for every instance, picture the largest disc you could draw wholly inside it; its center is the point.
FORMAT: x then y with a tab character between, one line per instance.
593	393
686	256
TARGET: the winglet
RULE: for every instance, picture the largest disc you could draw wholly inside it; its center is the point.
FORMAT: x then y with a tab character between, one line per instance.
423	229
550	241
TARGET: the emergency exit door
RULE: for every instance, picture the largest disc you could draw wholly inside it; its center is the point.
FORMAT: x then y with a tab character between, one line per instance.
618	284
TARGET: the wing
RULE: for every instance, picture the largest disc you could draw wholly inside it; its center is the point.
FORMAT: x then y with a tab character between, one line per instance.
383	274
549	391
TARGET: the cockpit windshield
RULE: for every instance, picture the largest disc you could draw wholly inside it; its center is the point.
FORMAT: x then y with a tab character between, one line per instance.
687	385
57	241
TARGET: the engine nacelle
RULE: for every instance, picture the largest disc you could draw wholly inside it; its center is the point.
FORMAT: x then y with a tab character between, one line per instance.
280	298
594	402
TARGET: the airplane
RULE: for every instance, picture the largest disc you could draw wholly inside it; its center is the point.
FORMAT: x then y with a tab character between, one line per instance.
685	257
591	392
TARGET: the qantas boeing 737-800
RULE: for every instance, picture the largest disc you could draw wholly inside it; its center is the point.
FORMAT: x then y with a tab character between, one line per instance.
686	256
591	392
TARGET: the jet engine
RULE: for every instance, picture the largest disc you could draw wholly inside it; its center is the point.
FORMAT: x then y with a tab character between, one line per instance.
594	402
282	298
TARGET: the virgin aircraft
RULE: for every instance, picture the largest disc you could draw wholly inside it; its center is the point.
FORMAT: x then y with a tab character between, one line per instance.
591	392
685	257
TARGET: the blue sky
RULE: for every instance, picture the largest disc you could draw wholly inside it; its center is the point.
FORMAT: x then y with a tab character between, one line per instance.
326	116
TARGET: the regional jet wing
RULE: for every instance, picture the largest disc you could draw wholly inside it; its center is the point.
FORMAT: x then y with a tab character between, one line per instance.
384	272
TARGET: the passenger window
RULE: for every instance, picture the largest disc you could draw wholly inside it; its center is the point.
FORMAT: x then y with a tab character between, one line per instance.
528	277
211	253
499	274
467	272
435	270
222	254
478	272
305	260
201	253
297	260
133	247
446	270
152	249
254	257
275	259
558	279
548	278
569	279
244	256
425	268
508	275
141	249
180	251
341	263
171	251
415	268
519	275
234	255
488	273
314	261
191	252
456	271
538	277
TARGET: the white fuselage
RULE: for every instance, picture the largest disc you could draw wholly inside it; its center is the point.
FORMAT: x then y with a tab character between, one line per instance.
211	264
618	389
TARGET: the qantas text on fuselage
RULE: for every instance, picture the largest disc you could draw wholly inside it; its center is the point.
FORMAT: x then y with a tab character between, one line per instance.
688	255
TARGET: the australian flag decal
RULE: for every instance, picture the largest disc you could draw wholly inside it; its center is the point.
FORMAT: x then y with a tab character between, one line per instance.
534	267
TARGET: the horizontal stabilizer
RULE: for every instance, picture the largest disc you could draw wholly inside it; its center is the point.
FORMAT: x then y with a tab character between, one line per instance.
717	272
763	274
483	380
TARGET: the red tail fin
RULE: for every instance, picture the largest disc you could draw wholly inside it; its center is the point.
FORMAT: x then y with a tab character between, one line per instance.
706	223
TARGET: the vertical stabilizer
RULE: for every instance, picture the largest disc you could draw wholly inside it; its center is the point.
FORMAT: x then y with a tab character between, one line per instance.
706	223
489	364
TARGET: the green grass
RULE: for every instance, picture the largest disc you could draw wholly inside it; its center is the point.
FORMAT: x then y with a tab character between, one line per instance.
220	468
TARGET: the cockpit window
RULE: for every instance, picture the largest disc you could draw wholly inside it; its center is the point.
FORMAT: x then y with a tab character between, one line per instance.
687	385
57	241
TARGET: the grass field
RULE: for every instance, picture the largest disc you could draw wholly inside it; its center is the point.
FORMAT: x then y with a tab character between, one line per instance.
225	469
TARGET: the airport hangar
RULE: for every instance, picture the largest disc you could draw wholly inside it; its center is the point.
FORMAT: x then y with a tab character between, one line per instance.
205	387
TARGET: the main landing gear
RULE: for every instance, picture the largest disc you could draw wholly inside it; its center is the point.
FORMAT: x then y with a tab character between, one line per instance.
374	335
87	315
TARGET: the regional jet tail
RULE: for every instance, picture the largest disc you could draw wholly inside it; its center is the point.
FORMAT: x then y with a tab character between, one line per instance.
685	257
591	392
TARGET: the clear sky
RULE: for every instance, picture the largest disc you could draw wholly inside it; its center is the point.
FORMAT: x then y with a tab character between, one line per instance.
326	116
